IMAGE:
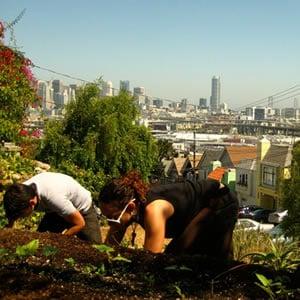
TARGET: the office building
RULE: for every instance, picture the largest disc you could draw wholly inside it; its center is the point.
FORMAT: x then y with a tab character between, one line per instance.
124	85
202	102
215	94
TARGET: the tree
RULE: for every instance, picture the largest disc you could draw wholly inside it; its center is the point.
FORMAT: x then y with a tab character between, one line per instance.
17	89
101	134
165	151
291	196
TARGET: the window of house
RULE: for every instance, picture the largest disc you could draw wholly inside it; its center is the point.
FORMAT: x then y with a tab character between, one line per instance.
243	179
269	177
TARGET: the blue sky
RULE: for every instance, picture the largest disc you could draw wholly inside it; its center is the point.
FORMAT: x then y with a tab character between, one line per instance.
172	48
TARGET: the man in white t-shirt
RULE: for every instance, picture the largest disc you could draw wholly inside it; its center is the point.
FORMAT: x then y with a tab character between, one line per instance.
67	204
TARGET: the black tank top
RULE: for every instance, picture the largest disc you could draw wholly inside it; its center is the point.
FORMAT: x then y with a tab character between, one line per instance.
187	197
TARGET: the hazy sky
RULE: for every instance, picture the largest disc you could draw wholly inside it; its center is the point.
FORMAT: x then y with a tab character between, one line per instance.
172	48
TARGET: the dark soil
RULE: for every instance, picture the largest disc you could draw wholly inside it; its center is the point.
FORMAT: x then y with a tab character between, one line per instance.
95	275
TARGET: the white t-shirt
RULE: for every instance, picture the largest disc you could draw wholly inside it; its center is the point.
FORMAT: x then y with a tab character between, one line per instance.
60	193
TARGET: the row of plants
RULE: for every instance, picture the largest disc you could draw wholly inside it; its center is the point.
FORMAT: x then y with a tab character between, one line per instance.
281	258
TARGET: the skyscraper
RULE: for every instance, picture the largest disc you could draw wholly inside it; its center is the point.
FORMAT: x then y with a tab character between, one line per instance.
124	85
215	93
202	102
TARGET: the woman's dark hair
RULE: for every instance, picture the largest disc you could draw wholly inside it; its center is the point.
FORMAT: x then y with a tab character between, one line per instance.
16	199
124	189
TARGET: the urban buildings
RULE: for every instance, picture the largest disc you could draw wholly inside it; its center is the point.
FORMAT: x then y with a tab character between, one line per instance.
215	94
124	85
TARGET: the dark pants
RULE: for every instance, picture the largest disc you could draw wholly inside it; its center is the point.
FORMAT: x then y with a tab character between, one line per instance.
91	232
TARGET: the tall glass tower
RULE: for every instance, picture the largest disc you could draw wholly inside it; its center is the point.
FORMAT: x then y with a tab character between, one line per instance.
215	93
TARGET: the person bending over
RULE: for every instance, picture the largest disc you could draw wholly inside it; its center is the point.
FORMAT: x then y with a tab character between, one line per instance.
67	205
199	216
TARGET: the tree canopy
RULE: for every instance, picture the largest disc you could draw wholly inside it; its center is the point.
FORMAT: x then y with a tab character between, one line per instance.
100	134
291	196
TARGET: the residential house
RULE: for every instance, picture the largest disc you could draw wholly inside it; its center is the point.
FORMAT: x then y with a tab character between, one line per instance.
273	165
238	153
246	181
195	160
209	156
222	174
178	169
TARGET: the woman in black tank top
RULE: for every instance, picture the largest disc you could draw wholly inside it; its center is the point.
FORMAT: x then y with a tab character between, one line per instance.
199	216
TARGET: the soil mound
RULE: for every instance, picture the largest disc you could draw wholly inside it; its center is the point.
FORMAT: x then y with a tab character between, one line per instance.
62	267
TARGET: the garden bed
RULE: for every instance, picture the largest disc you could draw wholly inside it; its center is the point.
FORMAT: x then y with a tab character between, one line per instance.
65	267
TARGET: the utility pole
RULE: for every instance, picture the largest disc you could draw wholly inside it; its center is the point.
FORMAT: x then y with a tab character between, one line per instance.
194	156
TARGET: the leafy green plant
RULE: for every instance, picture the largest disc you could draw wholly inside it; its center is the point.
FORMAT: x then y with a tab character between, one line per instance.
70	261
283	256
28	249
3	252
149	278
49	250
178	291
120	258
274	288
90	269
104	249
108	251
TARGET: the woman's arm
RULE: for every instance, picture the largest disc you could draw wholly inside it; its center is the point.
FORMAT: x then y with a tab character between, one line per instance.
156	215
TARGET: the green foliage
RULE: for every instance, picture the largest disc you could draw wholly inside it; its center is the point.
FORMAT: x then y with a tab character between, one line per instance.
49	250
70	261
100	134
121	258
165	150
3	252
13	167
274	288
291	196
104	249
249	241
108	251
28	249
283	256
17	91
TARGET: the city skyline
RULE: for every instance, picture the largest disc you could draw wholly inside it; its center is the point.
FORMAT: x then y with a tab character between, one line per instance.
171	48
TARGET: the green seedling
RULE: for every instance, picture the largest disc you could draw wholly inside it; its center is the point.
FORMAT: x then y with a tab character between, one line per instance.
101	270
149	278
121	258
108	251
3	252
179	291
28	249
104	249
70	261
50	250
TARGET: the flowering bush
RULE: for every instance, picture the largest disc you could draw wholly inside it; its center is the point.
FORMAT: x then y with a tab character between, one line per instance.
17	89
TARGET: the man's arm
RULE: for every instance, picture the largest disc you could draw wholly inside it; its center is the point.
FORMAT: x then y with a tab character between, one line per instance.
77	220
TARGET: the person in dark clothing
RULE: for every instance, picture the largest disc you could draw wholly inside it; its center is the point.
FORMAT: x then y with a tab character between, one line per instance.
199	216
